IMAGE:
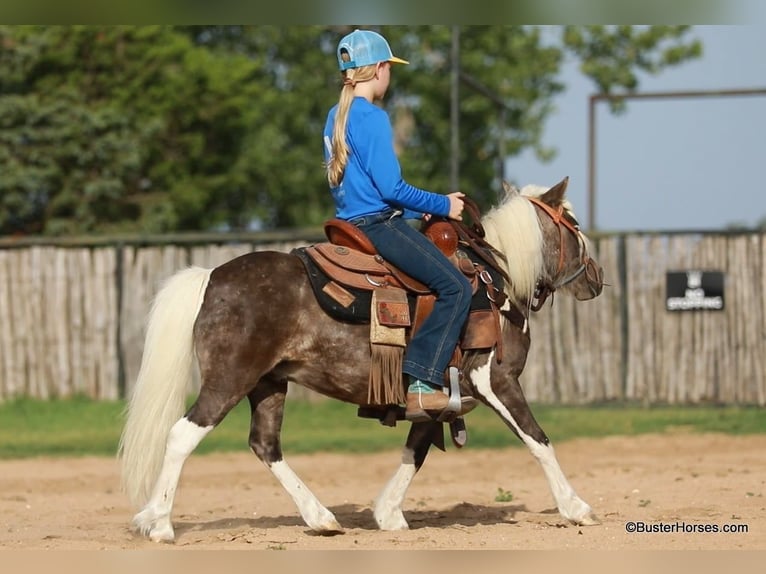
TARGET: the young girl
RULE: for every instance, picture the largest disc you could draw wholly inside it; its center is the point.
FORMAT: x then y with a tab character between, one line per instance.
367	186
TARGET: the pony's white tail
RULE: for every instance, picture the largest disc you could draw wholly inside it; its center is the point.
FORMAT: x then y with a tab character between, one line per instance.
159	395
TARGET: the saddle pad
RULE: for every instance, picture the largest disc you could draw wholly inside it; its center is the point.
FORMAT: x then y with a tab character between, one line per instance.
358	311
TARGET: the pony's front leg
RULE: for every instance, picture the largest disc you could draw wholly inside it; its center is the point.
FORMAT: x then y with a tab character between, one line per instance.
503	394
388	505
569	504
154	519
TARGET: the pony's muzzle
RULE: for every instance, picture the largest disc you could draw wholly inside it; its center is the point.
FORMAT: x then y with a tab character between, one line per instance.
594	277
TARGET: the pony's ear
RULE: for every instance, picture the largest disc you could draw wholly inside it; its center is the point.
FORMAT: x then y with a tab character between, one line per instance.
510	191
555	195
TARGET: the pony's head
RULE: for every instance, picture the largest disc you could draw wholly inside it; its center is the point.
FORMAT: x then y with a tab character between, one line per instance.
537	231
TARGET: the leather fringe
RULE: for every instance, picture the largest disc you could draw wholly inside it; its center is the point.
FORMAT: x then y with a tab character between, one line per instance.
385	385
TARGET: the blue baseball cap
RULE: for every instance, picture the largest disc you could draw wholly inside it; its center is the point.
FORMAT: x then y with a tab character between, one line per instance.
363	48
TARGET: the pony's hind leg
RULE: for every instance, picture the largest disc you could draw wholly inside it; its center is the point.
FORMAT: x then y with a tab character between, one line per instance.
206	413
154	519
388	505
267	402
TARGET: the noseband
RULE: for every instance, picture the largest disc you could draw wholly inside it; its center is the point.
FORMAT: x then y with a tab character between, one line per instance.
543	290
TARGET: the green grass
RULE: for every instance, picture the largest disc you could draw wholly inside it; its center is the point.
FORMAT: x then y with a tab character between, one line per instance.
84	427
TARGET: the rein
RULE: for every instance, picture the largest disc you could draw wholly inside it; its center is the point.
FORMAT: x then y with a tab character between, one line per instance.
474	234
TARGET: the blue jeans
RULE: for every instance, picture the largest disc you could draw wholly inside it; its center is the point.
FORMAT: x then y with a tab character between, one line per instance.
429	351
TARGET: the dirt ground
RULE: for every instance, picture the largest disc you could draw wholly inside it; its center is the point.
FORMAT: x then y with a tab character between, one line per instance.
231	501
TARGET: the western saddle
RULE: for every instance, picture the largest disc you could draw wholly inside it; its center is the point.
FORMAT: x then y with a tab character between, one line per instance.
351	261
352	264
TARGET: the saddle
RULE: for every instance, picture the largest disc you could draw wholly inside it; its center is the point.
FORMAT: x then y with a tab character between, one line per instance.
363	286
350	261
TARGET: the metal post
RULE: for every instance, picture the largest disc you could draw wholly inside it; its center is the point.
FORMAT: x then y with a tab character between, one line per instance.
591	163
454	112
501	145
594	98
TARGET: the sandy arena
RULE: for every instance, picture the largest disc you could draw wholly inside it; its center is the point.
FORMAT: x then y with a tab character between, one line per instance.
230	501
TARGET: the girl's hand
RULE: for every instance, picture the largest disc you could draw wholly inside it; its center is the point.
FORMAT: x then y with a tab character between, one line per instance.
456	205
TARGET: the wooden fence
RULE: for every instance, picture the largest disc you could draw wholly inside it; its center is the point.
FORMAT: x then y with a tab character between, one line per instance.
72	319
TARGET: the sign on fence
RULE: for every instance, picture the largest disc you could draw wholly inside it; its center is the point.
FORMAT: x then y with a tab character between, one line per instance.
694	290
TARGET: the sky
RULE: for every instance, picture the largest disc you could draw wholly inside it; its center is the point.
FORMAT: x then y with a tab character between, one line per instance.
667	165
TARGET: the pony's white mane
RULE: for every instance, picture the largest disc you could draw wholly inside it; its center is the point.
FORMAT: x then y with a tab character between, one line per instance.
513	228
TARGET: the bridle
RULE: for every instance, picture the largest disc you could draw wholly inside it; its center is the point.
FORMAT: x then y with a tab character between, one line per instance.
559	217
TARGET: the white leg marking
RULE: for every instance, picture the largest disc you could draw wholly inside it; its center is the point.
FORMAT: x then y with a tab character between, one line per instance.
154	519
316	516
388	506
571	506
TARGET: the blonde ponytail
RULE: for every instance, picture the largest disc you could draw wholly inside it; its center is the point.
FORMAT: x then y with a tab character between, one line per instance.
336	165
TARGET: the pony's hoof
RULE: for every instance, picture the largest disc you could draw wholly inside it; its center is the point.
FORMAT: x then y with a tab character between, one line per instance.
157	530
390	520
162	535
393	525
330	528
589	519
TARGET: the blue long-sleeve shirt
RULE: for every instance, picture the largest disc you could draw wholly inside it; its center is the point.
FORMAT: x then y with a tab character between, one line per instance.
373	180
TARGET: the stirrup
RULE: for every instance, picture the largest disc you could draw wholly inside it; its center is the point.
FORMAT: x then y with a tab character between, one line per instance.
452	410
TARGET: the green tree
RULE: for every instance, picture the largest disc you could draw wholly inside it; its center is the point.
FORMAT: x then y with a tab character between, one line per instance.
160	128
119	128
283	173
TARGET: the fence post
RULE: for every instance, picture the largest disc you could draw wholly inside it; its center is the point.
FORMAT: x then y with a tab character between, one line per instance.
119	286
622	270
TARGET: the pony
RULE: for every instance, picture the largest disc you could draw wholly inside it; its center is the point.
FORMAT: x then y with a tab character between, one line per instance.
253	324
